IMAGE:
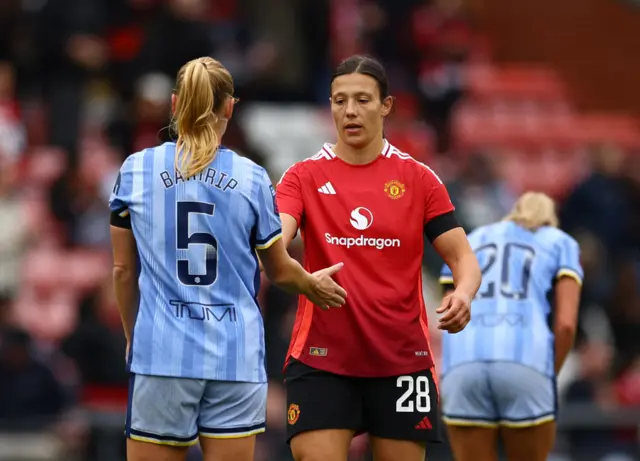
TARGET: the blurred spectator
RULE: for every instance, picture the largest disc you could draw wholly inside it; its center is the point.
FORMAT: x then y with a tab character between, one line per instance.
72	49
97	344
407	131
631	192
628	384
78	204
597	205
30	396
593	385
624	311
148	123
177	33
12	133
14	233
598	280
442	37
599	214
46	310
481	197
153	110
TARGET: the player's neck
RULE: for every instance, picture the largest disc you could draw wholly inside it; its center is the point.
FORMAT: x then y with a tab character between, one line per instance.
360	155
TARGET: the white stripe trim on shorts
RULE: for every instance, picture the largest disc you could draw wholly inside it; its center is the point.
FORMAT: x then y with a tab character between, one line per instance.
233	433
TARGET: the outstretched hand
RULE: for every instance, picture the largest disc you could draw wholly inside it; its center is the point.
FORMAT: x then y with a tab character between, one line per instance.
456	308
325	293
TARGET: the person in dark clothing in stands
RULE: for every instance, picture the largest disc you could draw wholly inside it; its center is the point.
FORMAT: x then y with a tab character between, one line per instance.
30	396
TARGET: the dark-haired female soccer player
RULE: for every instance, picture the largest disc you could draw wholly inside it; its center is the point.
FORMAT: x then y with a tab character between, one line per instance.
196	213
367	367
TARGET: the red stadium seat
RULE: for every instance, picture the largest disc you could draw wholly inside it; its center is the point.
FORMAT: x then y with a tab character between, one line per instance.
515	82
603	128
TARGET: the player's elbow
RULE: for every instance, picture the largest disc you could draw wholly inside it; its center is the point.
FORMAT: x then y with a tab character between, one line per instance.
122	273
565	323
565	327
280	281
567	303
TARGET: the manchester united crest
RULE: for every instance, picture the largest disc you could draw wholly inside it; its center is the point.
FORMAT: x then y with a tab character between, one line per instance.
394	189
293	414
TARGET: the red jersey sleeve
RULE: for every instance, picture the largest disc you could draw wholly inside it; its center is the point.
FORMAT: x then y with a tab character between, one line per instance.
289	194
437	200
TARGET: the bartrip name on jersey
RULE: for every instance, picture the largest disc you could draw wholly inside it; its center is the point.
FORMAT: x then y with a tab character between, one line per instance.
217	179
362	241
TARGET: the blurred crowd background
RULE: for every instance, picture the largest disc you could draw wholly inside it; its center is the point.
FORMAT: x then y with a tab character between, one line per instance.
497	96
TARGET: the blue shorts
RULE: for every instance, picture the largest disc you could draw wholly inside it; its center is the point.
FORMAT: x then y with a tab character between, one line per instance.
492	394
176	411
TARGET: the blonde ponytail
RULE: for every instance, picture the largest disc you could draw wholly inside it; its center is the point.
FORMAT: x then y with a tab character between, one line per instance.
203	85
533	210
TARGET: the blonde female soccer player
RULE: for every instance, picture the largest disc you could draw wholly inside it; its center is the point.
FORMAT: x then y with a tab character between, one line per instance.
499	374
197	212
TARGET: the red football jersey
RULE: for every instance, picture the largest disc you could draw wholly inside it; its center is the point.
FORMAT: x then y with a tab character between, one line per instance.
372	218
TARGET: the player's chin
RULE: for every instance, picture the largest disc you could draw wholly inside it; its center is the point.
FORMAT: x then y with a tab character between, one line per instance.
356	140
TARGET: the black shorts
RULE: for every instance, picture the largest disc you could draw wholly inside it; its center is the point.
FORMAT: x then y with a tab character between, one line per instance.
399	407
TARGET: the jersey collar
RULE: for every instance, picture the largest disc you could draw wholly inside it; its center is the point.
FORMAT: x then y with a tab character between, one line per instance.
328	149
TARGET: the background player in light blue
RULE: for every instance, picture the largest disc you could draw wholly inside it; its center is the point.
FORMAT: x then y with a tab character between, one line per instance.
498	375
196	213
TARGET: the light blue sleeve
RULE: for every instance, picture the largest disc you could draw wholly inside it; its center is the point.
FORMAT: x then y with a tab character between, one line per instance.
569	259
269	226
120	199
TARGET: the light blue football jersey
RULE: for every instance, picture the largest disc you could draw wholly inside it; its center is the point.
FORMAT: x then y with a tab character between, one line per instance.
198	315
510	316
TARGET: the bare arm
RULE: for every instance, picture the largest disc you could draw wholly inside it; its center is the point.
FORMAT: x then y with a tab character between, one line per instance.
289	275
124	279
289	231
289	228
283	270
566	303
454	248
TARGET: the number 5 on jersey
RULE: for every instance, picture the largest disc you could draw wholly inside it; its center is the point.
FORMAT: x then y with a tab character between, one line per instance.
422	400
185	239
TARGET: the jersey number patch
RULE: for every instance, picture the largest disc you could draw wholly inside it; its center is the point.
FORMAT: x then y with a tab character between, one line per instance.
515	257
407	402
185	238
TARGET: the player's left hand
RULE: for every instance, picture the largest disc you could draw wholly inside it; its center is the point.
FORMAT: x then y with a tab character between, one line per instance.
456	308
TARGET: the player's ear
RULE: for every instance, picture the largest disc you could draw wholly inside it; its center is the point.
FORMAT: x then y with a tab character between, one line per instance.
228	108
387	104
174	99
